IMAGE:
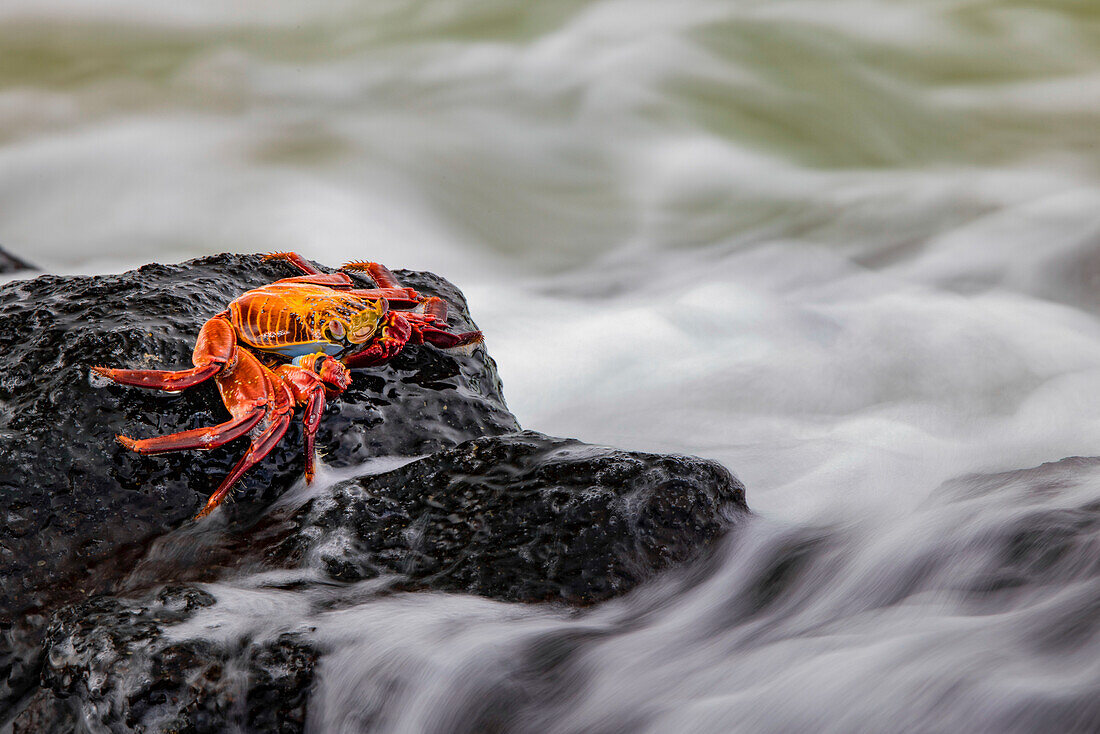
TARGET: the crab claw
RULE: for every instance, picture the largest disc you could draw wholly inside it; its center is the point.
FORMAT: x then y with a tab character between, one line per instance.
334	375
310	379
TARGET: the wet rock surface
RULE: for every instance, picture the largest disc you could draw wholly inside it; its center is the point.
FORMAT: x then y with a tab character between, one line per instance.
100	564
113	665
62	469
79	509
521	517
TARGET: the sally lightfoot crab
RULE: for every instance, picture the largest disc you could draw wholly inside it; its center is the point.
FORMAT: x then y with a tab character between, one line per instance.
290	344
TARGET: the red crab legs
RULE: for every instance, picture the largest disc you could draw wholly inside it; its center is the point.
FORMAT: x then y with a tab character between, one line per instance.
310	388
289	344
216	345
388	285
260	401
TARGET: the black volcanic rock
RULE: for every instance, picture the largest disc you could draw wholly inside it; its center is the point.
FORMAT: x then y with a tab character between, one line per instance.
111	664
521	517
9	263
99	562
78	507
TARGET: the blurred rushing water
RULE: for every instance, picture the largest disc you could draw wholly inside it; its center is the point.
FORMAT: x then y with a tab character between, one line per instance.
850	248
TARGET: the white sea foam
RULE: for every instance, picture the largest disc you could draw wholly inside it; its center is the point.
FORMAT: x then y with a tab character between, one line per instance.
849	249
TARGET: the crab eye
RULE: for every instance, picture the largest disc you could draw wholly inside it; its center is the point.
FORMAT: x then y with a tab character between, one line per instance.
336	330
366	322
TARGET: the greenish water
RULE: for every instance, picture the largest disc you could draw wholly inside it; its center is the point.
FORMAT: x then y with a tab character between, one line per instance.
545	133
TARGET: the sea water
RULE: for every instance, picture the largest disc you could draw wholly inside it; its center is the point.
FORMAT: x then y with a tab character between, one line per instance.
848	248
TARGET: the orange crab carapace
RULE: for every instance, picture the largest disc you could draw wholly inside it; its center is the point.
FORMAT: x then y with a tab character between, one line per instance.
290	344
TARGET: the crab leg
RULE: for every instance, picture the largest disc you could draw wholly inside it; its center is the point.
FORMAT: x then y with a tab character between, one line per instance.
332	280
197	438
246	395
400	298
422	320
463	343
315	408
434	307
240	389
308	389
340	281
261	447
215	347
294	259
378	272
389	287
425	329
252	394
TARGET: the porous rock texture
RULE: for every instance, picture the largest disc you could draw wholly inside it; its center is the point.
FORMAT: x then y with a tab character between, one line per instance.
79	509
520	517
111	665
100	564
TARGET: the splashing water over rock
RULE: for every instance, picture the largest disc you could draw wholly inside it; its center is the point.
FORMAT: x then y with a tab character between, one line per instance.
95	533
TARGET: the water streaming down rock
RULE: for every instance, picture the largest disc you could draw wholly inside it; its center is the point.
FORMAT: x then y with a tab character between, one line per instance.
516	516
109	666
